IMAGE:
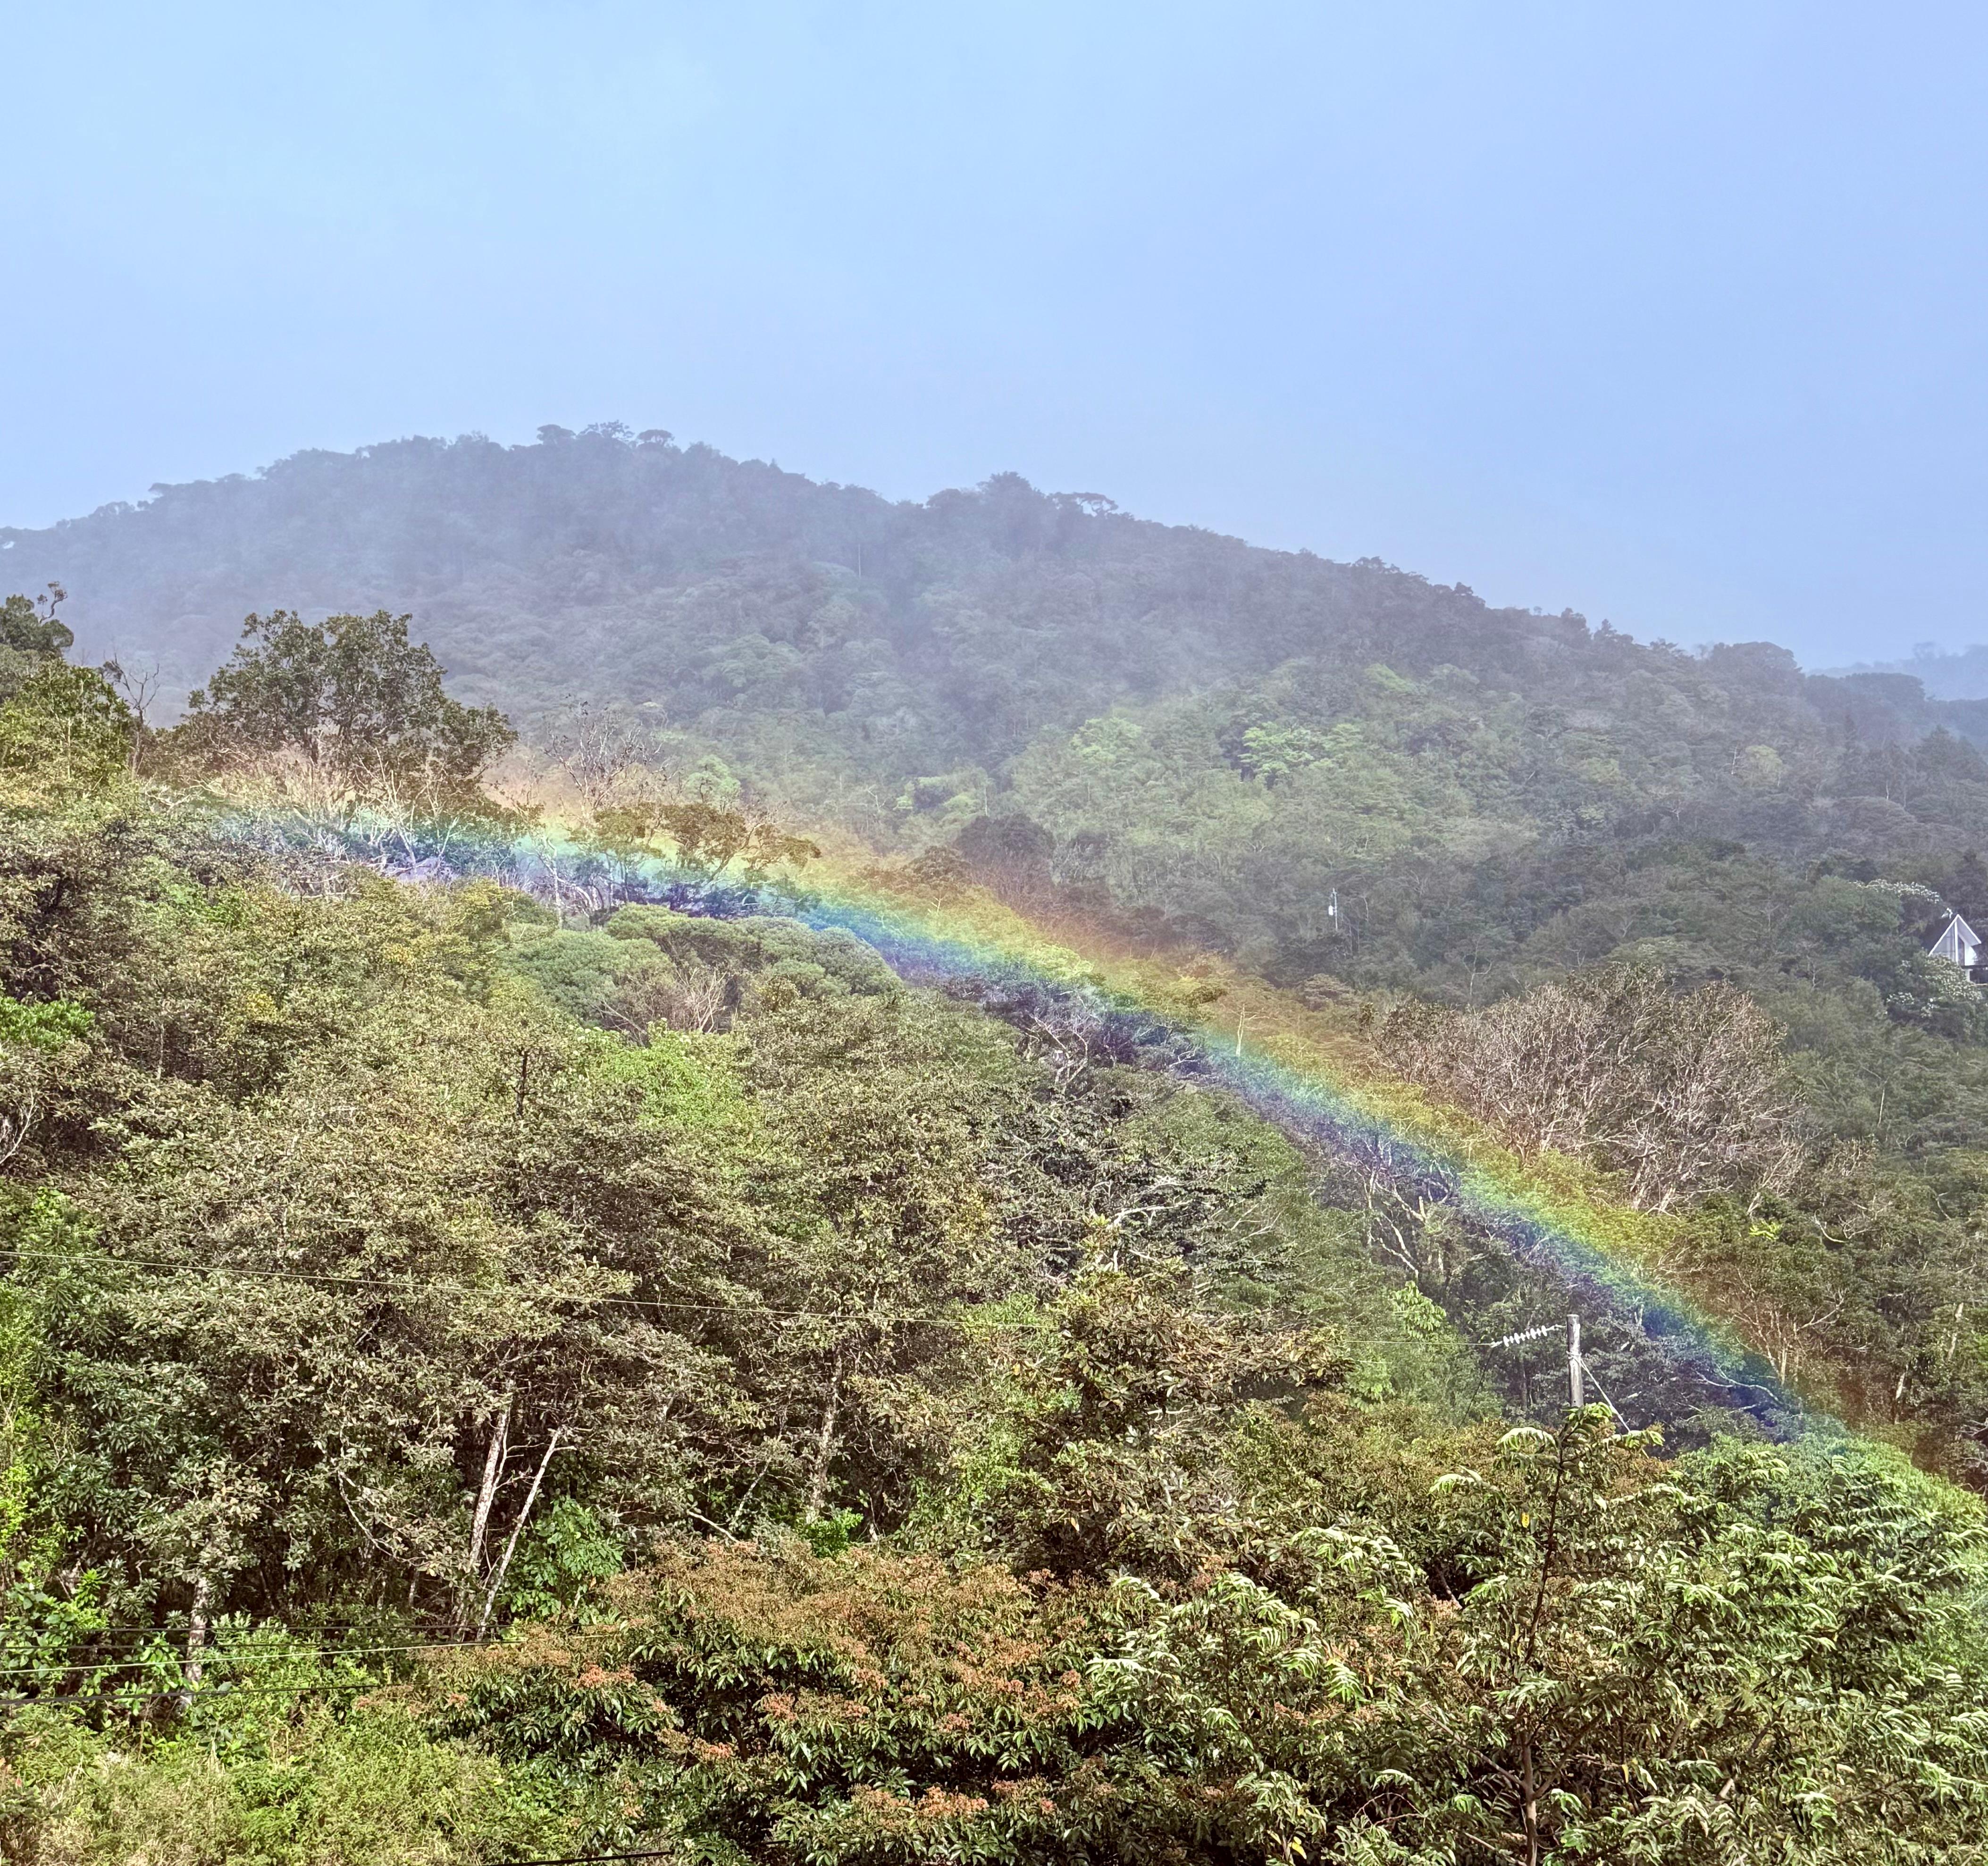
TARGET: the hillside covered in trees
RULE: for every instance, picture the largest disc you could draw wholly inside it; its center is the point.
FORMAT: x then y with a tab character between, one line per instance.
1342	776
496	1372
844	647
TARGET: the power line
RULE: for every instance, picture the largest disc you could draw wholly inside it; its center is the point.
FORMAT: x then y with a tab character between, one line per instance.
212	1655
321	1626
592	1859
322	1629
187	1694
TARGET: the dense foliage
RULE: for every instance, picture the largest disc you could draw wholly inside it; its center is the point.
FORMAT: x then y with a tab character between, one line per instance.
352	698
485	1377
1173	731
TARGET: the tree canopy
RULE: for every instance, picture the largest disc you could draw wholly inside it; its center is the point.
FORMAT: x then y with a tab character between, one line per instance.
352	695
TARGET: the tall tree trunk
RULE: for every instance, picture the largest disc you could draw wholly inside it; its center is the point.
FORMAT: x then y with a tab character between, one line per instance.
824	1449
493	1470
203	1598
1530	1791
517	1530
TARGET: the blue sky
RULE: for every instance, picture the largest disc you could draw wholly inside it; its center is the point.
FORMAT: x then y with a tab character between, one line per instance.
1671	314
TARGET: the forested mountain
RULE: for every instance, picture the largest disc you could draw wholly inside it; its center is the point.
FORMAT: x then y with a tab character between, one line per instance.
492	1371
1177	735
829	638
1183	727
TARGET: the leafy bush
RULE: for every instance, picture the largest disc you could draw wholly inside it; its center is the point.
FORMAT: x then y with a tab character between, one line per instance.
359	1786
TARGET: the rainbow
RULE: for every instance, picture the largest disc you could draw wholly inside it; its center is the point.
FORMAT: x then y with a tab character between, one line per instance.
1319	1100
1334	1103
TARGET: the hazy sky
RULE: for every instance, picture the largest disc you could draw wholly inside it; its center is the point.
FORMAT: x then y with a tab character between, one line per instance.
1673	314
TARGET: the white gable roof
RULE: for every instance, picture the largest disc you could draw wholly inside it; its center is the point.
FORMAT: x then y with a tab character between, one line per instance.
1959	942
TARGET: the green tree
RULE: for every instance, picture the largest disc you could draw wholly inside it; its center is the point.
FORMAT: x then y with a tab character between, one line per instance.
62	730
30	634
352	696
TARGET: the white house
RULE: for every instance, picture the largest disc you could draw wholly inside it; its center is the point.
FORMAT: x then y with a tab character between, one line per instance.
1959	942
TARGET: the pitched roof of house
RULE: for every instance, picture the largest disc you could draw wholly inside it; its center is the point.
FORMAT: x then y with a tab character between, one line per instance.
1959	942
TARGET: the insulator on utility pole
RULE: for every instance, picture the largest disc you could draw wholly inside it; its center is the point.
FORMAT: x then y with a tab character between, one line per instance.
1574	1392
1527	1335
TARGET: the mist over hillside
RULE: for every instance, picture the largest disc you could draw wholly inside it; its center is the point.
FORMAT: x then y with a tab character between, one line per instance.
1199	738
1956	674
615	565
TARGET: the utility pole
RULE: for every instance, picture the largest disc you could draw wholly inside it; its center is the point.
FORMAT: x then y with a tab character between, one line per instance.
1577	1383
